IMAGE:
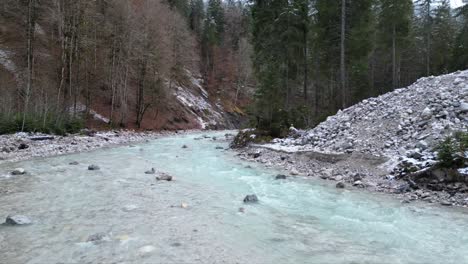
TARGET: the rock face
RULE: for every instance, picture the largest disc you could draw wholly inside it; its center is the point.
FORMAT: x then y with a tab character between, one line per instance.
251	198
403	125
93	167
17	220
18	171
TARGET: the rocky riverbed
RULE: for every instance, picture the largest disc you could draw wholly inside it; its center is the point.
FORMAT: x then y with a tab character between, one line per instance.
23	146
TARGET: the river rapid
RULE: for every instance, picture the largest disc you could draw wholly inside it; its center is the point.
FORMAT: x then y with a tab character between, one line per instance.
119	214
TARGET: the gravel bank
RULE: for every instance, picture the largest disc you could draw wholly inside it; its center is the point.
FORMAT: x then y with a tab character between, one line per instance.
23	146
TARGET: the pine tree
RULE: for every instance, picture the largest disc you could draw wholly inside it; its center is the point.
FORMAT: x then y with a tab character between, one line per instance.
460	52
394	25
442	34
197	14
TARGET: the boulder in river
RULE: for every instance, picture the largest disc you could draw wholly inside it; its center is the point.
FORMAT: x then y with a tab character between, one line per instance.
17	220
164	177
93	167
280	177
152	171
340	185
97	238
18	171
184	146
73	163
251	198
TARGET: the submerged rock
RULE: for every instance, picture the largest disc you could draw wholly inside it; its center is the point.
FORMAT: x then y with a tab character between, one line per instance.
73	163
164	177
251	198
152	171
184	146
97	238
93	167
17	220
18	171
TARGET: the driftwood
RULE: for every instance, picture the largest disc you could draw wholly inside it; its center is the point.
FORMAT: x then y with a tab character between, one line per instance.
40	138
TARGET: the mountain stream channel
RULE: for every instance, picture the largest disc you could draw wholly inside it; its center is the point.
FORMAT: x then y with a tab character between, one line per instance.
119	214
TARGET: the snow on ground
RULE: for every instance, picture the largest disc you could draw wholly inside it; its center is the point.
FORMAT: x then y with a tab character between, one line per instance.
82	108
6	62
206	114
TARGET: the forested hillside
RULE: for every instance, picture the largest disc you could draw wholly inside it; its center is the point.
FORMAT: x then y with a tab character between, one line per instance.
152	64
312	58
177	64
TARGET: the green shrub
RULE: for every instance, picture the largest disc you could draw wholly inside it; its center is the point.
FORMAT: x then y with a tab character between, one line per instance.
452	151
51	124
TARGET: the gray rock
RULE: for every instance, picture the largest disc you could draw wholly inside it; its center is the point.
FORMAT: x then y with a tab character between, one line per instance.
93	167
426	113
446	203
23	146
152	171
184	146
73	163
251	198
294	172
17	220
280	177
422	145
18	171
358	184
164	177
219	147
97	238
463	107
340	185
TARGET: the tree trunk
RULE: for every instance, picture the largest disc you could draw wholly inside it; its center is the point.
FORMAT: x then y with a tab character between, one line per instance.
30	57
394	66
342	57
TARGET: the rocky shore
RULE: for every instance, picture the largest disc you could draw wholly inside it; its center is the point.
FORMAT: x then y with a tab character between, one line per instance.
354	172
384	144
22	146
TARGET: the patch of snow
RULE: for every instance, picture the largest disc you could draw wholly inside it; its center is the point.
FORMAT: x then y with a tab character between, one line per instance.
463	171
6	61
199	106
82	108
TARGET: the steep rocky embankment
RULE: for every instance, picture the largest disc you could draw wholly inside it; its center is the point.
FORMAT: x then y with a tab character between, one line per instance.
371	143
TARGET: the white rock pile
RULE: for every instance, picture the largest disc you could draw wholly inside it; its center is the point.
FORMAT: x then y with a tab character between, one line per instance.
403	125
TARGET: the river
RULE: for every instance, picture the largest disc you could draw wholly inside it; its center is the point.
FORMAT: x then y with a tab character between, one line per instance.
196	218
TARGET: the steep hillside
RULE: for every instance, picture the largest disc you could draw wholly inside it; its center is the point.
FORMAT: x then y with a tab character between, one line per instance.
132	64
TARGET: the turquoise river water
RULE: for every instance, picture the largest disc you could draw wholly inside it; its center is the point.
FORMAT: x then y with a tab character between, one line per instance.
196	218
